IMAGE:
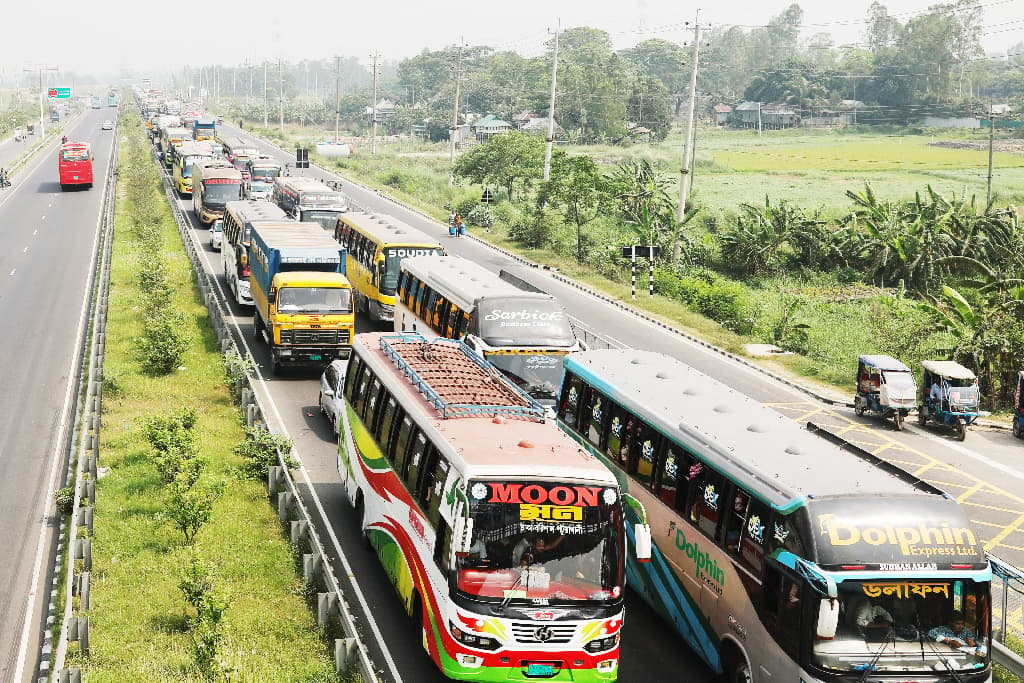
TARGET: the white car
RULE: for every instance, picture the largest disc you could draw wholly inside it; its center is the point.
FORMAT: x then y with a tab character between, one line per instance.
107	125
332	389
216	234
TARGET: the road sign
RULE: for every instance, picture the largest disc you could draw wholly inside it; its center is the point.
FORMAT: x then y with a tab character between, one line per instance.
487	197
648	251
301	157
59	93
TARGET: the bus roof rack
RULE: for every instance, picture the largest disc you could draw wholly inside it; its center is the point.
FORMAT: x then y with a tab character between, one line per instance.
455	381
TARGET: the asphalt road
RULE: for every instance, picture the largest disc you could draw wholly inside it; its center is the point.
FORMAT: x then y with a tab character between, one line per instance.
650	651
47	241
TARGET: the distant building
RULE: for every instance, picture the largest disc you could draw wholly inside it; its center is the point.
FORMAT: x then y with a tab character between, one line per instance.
385	111
540	125
489	126
522	118
721	114
747	113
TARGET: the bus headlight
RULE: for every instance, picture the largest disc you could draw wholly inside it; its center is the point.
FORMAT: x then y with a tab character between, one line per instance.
473	639
602	644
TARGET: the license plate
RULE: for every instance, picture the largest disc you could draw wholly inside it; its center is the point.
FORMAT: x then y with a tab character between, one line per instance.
74	177
316	357
540	670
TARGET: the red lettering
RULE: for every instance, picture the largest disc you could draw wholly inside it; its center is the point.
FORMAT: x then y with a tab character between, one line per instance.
505	493
534	494
587	496
561	495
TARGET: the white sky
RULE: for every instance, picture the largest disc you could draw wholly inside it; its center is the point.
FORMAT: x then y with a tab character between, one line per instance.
102	37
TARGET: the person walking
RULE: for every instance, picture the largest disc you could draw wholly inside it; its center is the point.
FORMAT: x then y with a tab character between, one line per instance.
460	229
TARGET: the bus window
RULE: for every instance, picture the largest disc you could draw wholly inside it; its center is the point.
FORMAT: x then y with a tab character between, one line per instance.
669	471
619	432
450	329
425	478
414	463
706	497
443	546
387	420
359	401
403	286
430	308
433	487
785	535
399	442
781	609
412	293
594	408
644	451
367	410
355	367
736	517
419	294
441	317
462	325
752	536
569	404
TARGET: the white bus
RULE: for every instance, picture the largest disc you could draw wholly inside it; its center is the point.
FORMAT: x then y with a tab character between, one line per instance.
525	334
503	538
238	219
781	552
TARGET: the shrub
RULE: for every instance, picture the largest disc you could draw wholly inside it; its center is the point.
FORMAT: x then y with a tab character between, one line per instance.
466	206
237	367
480	216
163	342
188	506
259	451
65	499
173	431
726	302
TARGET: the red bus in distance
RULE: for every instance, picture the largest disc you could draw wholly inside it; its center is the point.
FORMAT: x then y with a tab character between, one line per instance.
74	165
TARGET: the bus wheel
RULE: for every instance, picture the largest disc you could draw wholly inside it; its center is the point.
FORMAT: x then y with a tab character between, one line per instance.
737	669
361	516
417	620
1016	427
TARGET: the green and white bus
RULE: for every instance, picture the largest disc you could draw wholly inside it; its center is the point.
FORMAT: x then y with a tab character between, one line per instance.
503	538
780	554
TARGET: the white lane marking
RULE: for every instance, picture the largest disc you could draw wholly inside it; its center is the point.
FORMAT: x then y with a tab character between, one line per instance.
35	232
57	465
43	217
25	250
14	271
967	452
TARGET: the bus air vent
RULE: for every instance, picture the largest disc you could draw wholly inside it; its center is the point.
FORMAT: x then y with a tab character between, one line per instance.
794	450
691	392
722	409
757	429
663	374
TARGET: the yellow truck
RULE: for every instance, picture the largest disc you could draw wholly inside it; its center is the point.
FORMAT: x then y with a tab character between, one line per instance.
303	301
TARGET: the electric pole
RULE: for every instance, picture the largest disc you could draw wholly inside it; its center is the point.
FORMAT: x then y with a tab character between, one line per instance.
551	107
266	106
42	94
373	110
991	144
684	179
455	117
337	96
280	95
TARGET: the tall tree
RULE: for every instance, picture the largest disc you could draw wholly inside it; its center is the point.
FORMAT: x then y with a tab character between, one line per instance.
578	189
504	160
592	79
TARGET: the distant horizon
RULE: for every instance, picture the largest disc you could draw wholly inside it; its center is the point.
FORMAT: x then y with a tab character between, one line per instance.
325	30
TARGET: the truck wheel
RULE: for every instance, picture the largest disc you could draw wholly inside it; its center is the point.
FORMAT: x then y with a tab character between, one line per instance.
277	367
257	329
1016	427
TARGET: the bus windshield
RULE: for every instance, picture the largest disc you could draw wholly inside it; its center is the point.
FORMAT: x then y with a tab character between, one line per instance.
265	174
392	264
515	321
220	191
907	624
566	552
326	219
314	300
538	374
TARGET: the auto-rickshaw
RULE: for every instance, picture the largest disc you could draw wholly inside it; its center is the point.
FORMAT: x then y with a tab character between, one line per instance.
1018	407
958	398
885	386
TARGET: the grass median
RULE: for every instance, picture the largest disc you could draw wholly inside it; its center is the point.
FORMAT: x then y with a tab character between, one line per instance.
142	626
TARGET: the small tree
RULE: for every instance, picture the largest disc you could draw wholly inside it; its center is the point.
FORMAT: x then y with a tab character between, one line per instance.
206	626
579	190
189	505
259	451
504	160
163	342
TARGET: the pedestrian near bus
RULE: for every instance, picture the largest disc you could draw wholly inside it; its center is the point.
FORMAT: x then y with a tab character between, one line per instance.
460	229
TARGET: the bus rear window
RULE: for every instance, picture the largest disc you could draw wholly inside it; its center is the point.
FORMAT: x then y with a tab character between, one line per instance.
74	155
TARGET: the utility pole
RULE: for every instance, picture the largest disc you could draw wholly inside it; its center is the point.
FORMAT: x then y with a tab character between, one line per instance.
265	96
991	144
337	96
280	95
455	117
373	110
42	94
684	177
551	107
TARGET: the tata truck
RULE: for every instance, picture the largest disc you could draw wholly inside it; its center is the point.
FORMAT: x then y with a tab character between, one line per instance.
303	301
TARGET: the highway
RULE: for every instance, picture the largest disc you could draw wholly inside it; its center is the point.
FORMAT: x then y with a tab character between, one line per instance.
48	243
982	472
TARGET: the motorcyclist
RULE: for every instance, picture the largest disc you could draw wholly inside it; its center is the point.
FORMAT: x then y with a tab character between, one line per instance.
64	140
4	182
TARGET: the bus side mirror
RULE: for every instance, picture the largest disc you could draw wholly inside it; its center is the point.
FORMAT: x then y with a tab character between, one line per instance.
642	534
462	536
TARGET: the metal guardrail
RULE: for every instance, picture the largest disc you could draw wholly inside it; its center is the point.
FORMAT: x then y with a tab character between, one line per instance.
1007	613
350	650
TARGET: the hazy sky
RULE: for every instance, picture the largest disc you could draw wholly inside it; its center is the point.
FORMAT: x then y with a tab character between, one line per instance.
102	37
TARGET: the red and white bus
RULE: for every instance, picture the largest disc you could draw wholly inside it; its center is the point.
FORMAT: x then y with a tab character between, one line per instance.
74	165
504	539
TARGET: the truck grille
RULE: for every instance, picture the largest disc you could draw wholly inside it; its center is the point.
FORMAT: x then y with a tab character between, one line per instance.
543	633
304	336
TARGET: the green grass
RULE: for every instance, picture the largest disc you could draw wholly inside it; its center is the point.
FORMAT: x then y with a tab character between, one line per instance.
138	630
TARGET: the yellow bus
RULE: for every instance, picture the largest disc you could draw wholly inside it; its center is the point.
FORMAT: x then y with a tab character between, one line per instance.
376	245
170	136
185	155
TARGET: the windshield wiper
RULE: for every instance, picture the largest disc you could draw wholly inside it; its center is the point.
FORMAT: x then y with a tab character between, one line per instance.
518	582
890	636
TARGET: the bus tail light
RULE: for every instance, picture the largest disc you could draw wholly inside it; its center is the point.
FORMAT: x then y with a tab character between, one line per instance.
854	567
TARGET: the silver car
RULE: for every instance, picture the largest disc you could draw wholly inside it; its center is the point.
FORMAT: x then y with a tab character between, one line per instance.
216	234
332	390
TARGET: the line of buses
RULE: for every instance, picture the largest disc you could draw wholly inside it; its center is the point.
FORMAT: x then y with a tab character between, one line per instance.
513	483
